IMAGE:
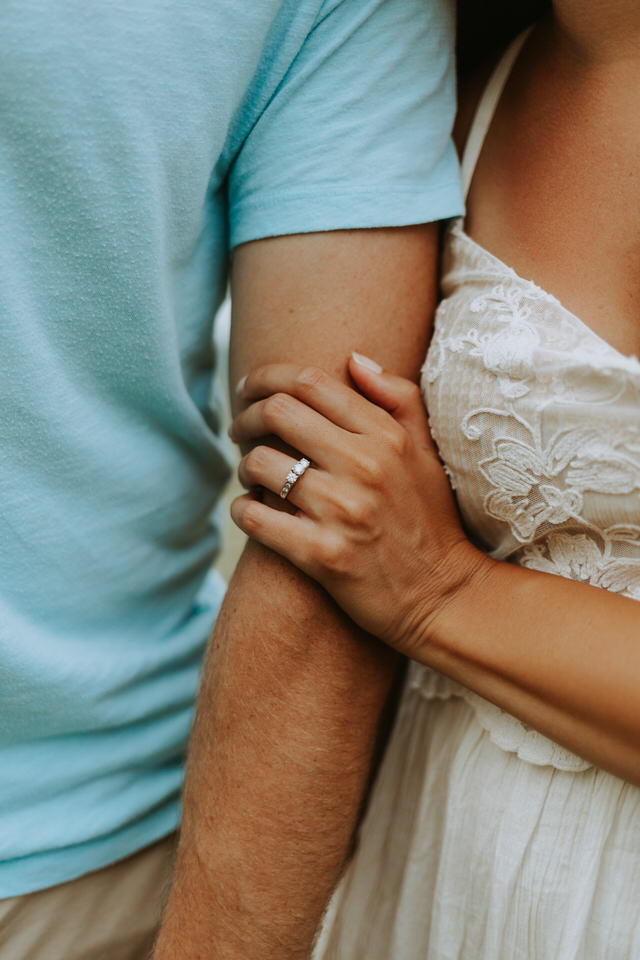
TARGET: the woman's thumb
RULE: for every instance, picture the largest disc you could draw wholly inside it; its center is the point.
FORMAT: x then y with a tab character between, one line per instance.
400	397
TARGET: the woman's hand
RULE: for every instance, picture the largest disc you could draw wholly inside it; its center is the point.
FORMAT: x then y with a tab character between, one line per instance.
376	522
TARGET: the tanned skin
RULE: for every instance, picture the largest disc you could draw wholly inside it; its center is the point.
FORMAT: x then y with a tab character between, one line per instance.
292	692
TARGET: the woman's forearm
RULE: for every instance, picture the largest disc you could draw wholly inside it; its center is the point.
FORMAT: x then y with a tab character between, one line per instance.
562	656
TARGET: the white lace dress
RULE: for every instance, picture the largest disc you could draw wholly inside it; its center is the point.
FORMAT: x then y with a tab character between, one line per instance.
485	840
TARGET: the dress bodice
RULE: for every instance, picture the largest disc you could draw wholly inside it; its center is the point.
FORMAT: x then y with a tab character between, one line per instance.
537	421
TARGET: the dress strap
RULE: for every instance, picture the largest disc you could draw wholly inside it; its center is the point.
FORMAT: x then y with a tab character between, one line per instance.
487	107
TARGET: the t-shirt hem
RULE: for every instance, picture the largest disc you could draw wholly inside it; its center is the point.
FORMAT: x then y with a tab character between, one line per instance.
42	871
329	209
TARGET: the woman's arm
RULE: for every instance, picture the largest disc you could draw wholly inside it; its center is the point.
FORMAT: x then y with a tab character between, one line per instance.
562	656
378	527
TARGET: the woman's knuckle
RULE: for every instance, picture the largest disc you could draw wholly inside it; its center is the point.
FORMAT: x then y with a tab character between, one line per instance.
370	469
334	554
309	377
398	440
364	511
254	462
276	408
345	508
252	519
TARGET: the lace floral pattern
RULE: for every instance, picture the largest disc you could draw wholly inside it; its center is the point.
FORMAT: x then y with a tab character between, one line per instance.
536	419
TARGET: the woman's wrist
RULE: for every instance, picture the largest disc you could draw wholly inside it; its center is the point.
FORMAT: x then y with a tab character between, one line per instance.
456	601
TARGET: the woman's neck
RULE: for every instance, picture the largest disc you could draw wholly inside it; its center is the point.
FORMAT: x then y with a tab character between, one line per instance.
598	31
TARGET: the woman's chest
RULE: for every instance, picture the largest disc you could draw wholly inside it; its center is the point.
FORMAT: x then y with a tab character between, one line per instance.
537	422
555	191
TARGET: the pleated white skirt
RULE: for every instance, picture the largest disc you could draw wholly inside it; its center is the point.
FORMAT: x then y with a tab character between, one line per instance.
468	852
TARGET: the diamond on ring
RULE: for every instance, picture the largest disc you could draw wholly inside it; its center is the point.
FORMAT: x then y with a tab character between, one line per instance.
293	476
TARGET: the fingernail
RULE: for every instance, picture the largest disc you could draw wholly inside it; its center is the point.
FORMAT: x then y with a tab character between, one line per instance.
240	386
366	362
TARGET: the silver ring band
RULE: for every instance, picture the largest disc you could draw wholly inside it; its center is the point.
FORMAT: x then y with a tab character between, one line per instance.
294	475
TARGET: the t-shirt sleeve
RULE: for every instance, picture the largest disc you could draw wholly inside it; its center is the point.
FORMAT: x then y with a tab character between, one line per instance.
358	131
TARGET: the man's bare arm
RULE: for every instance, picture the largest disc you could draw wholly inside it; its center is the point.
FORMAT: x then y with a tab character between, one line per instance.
292	692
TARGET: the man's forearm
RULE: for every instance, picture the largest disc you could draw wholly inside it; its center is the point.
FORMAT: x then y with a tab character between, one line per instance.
279	760
292	692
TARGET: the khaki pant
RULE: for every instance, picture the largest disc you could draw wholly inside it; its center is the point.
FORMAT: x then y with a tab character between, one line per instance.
112	914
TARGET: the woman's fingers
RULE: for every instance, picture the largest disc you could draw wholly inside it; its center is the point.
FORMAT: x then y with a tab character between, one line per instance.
291	537
268	468
399	397
313	435
328	395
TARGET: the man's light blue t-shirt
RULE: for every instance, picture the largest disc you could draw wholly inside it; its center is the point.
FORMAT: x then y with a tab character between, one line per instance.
139	142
